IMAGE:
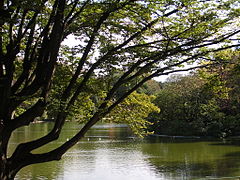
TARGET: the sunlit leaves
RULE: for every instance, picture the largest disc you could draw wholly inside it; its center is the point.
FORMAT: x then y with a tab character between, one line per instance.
133	111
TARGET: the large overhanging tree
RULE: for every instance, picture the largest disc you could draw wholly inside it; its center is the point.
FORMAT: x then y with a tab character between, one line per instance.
138	39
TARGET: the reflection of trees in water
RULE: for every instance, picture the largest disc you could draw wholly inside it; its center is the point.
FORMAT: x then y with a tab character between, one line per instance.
187	160
169	158
109	131
229	165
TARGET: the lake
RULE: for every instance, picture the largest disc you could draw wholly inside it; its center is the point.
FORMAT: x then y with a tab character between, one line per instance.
111	152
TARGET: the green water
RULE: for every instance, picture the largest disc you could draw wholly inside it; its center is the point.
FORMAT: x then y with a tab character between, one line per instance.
110	152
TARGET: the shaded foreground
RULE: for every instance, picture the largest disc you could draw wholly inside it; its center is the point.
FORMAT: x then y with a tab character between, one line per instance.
111	151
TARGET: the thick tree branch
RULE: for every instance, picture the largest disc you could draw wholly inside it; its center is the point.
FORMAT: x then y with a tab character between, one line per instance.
55	38
44	140
29	115
41	53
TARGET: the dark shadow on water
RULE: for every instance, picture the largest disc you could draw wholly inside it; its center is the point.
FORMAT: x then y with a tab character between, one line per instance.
235	142
235	155
174	139
182	139
226	167
214	162
184	171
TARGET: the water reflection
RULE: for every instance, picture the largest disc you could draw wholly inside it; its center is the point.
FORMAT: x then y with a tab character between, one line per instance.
188	160
111	152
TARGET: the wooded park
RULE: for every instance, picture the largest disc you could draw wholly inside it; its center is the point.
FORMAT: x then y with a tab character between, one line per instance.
121	46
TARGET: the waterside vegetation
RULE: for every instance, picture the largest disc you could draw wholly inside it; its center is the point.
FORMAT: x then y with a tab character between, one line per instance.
122	45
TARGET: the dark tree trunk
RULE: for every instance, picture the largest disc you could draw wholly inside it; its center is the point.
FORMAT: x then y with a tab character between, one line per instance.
5	173
41	56
5	169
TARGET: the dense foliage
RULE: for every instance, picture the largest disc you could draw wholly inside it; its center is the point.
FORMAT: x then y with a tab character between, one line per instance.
122	44
206	102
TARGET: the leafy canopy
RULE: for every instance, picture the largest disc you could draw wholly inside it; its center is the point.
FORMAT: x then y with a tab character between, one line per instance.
138	40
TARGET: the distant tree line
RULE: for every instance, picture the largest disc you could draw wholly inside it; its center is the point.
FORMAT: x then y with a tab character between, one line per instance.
121	46
205	102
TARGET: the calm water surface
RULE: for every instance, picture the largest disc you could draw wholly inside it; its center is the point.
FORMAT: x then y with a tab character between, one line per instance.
110	152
